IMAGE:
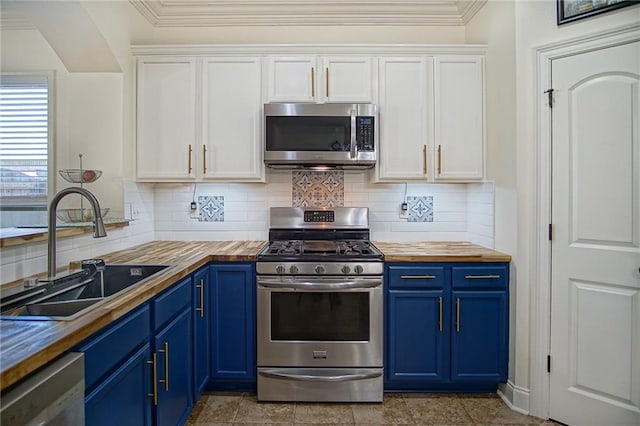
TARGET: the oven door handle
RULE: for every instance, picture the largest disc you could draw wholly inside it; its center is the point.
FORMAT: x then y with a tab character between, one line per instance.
307	285
314	378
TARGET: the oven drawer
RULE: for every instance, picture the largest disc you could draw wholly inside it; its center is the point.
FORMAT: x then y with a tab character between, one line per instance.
320	385
416	277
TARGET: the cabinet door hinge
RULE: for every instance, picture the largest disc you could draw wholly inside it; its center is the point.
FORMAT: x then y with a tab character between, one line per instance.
549	93
550	232
548	363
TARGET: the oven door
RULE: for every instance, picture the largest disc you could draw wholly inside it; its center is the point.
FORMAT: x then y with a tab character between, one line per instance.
319	322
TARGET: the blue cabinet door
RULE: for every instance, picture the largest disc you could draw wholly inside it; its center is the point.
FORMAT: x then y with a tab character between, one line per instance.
417	338
201	333
122	398
479	336
233	326
174	370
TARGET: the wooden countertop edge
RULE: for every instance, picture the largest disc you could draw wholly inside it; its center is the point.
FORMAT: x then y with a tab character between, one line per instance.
447	258
102	316
60	232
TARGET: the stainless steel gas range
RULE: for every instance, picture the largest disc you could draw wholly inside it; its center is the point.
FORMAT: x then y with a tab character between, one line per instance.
320	308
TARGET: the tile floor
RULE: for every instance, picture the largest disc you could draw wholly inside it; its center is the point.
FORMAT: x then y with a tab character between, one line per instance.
405	409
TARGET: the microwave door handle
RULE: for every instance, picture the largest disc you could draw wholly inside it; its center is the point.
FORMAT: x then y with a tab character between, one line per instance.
354	148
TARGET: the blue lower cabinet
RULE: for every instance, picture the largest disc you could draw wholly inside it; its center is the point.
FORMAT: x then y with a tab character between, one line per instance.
415	325
122	398
446	326
172	346
201	330
233	326
479	338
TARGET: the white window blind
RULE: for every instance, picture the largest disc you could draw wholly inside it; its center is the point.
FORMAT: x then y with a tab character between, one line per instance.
24	139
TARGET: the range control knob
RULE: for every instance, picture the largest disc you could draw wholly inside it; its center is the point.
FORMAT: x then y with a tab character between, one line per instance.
319	269
280	269
358	269
293	269
345	269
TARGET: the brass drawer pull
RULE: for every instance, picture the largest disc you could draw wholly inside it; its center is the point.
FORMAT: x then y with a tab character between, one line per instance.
190	152
201	308
482	277
439	159
418	277
440	313
154	394
165	351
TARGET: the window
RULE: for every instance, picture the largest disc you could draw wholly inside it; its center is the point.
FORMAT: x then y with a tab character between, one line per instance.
24	144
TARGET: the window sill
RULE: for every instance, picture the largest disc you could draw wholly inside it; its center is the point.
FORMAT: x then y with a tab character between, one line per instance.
10	237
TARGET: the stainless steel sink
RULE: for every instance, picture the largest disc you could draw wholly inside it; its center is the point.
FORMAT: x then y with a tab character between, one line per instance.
70	296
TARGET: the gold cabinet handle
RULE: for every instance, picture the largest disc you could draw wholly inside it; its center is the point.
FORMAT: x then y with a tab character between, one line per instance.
154	393
190	152
204	159
326	78
313	82
440	313
482	277
424	159
201	308
418	277
165	351
457	314
439	159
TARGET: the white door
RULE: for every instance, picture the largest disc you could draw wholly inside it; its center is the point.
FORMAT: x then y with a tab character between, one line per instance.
292	79
595	282
347	79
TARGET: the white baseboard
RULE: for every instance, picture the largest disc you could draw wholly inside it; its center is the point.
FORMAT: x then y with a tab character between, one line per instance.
516	397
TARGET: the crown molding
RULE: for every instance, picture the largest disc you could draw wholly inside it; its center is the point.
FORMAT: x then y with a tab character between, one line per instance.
207	13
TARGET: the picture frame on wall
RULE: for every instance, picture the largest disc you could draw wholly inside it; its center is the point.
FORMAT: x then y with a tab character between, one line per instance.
572	10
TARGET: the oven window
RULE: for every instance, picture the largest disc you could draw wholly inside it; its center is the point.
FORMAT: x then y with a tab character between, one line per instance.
320	316
308	133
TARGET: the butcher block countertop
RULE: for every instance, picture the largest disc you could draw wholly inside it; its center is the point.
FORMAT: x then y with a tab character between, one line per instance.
436	251
28	345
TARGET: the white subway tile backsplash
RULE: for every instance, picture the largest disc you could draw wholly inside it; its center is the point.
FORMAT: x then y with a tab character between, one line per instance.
461	212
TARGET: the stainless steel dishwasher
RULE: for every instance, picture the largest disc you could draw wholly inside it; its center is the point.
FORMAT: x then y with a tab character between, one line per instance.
52	396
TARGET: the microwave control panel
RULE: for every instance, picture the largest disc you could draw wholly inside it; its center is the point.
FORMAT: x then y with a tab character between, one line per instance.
364	133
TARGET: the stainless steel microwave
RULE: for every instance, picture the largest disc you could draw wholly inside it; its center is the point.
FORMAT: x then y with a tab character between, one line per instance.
333	135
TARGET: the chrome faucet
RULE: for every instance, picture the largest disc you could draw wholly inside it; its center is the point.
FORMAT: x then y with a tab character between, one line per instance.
98	224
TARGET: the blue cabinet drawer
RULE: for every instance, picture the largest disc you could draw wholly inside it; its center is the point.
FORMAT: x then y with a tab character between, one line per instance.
111	347
481	276
416	276
170	303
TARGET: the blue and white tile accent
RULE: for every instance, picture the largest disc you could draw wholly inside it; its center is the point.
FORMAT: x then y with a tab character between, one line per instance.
420	208
317	188
211	208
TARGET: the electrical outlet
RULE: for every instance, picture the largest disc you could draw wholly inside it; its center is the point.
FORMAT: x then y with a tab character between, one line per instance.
193	210
403	211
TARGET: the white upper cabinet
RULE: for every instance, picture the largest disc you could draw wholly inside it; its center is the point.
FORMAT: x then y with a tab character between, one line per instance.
459	117
431	118
166	125
231	119
319	79
405	111
199	119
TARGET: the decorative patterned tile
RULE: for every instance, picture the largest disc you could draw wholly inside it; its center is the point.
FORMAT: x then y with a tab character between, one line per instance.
318	189
420	209
211	208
